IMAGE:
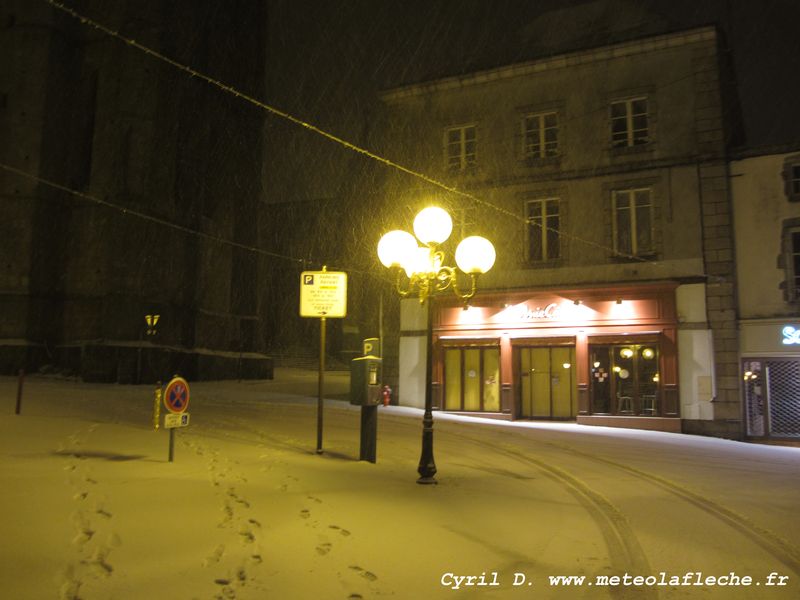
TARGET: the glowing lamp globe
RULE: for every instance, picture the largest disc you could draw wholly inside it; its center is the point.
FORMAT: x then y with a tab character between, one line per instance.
475	254
395	248
418	261
432	225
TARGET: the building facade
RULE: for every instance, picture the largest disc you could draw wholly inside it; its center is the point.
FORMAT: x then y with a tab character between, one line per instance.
601	177
128	176
766	200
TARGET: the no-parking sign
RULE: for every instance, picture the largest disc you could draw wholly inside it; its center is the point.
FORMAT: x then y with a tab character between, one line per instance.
176	396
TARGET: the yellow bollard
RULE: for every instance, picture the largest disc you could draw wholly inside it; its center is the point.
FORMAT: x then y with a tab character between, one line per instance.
157	407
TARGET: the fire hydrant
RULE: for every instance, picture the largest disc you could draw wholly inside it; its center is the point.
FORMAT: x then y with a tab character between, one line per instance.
387	395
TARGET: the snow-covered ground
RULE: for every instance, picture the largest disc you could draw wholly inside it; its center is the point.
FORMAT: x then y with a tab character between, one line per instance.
92	509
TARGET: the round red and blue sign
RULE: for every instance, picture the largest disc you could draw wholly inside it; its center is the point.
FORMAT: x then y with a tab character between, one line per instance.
176	396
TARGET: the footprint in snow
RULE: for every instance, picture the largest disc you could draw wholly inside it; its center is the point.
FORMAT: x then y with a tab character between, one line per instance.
368	575
343	532
323	549
215	556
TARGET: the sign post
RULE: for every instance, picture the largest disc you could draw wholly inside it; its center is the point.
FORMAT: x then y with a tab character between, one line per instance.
176	401
323	294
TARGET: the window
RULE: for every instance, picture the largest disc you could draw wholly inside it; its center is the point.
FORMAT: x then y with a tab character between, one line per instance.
629	123
633	222
792	245
791	177
625	379
540	135
543	229
460	148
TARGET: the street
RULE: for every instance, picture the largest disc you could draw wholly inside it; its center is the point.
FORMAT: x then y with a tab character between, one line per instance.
248	510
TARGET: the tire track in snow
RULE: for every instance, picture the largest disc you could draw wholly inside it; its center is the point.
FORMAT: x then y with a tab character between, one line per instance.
772	543
625	551
775	545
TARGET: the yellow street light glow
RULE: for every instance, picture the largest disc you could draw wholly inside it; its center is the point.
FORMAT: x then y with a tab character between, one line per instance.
626	353
418	261
395	248
566	365
433	225
648	353
475	254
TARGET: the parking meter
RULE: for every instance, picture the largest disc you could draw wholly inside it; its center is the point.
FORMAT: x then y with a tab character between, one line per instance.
365	381
365	391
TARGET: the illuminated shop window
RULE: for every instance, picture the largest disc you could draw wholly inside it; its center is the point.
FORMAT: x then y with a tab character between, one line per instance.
633	222
629	122
472	379
460	148
543	227
540	135
625	379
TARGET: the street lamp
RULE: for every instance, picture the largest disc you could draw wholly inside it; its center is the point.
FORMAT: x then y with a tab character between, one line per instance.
427	274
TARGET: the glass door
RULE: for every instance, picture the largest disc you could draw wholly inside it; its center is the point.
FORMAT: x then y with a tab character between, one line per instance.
547	382
472	379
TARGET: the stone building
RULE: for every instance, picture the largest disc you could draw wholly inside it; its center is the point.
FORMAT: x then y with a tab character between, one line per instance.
128	174
601	176
765	186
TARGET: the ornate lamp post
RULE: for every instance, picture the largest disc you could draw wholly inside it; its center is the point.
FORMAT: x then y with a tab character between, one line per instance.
427	275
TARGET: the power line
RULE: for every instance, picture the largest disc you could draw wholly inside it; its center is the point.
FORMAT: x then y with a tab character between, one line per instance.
336	139
129	211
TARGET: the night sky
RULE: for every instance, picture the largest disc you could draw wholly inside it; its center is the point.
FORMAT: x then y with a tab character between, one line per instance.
333	56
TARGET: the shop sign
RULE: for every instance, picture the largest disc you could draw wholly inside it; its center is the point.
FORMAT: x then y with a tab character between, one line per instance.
791	336
523	312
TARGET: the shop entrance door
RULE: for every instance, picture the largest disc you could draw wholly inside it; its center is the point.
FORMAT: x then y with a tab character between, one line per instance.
547	382
472	379
772	397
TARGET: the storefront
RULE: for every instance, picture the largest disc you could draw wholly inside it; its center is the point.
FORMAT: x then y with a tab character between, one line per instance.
770	361
599	356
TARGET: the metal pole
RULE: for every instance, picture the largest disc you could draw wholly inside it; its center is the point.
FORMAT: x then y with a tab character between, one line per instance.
171	444
427	467
139	359
321	386
20	382
380	323
369	433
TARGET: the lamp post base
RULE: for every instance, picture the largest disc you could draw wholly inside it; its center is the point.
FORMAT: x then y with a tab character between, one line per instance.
427	466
